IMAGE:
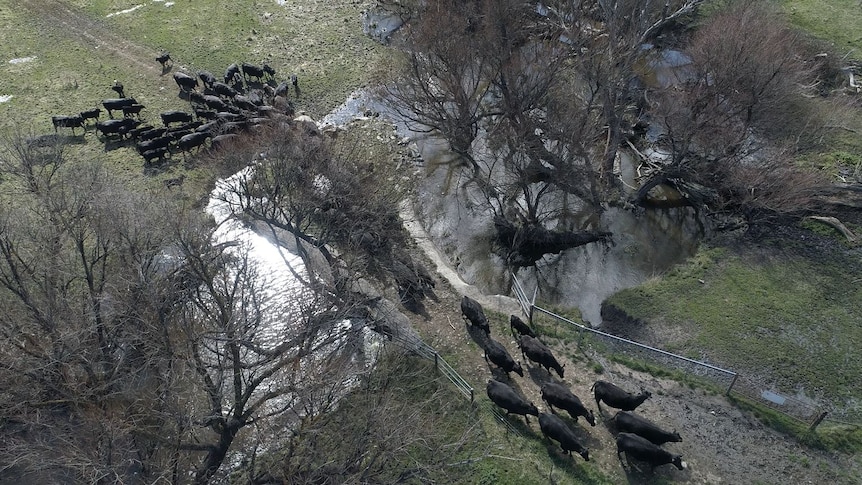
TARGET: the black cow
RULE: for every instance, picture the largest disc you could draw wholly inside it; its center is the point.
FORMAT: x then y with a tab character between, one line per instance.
156	153
281	90
244	102
295	81
641	449
74	121
504	396
206	114
117	87
556	429
214	102
232	75
615	397
154	144
169	117
117	127
192	140
498	355
91	114
207	78
519	327
472	311
152	133
135	134
535	350
632	423
163	59
117	104
558	395
185	82
269	71
224	90
132	110
250	70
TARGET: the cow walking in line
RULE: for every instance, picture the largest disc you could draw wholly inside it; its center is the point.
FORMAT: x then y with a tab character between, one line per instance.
558	395
627	422
641	449
504	396
497	354
616	397
538	352
473	313
556	429
519	327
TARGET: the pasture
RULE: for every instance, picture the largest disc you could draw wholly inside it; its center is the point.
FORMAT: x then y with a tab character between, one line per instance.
68	54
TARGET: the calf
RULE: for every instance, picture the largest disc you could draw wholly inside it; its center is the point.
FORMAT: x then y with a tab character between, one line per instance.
498	355
556	429
169	117
641	449
163	59
504	396
631	423
74	121
269	71
185	82
117	104
91	114
519	327
559	395
535	350
472	311
615	397
132	110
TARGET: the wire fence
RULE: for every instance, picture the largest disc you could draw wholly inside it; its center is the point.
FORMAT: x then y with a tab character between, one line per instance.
621	349
425	351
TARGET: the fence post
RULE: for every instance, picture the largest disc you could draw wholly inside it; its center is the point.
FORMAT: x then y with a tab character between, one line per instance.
731	384
533	305
436	364
817	421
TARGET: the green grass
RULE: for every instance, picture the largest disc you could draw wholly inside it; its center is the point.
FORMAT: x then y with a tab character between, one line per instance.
791	320
834	21
320	41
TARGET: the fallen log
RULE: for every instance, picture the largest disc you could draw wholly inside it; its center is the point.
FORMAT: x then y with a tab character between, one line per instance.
839	226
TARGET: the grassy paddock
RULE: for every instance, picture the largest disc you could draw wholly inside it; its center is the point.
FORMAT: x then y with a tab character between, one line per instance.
320	41
790	321
834	21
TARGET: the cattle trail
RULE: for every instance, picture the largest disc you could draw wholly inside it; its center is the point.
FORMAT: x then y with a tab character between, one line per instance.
64	20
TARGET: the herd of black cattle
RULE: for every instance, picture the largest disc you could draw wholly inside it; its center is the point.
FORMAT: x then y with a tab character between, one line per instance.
249	96
638	437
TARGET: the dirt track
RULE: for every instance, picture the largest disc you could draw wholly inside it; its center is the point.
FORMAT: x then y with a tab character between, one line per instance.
60	18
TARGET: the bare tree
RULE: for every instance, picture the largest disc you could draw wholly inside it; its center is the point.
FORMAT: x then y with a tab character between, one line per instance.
745	93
